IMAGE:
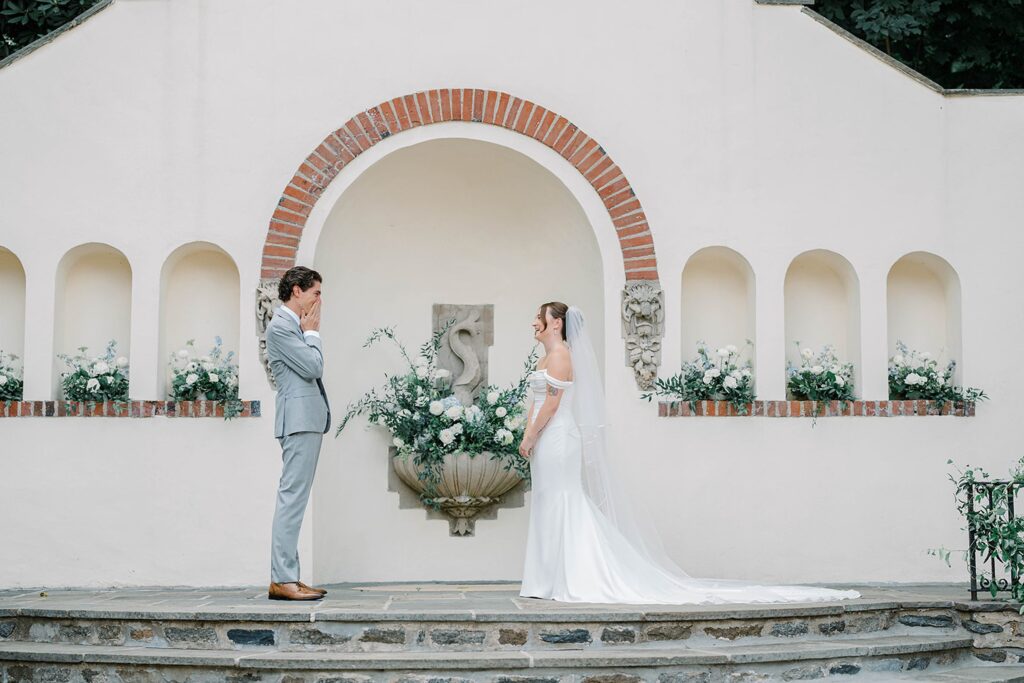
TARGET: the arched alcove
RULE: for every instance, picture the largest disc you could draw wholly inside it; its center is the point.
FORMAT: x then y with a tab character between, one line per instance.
718	301
822	296
199	295
923	307
442	221
94	300
12	304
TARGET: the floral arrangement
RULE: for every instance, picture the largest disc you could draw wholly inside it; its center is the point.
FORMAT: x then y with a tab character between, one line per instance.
427	422
213	377
11	384
916	375
820	377
101	378
718	375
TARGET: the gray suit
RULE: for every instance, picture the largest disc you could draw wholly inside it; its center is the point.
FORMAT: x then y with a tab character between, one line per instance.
302	417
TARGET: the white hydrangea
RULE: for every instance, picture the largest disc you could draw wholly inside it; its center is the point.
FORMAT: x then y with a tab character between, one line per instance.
492	397
214	377
93	384
730	382
436	407
473	414
446	436
191	379
454	413
817	370
501	411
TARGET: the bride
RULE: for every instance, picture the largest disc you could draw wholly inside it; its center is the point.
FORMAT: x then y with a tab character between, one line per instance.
584	545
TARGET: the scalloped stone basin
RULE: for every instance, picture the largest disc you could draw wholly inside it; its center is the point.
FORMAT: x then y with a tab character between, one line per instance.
469	484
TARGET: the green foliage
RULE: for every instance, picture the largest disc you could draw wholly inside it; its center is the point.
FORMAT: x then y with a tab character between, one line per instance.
103	378
24	21
213	377
11	384
916	375
956	43
427	422
710	376
996	536
820	377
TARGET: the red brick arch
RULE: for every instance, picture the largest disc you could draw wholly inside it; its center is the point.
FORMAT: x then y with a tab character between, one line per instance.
367	128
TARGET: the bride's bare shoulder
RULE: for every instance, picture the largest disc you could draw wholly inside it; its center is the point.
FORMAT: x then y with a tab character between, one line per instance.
559	364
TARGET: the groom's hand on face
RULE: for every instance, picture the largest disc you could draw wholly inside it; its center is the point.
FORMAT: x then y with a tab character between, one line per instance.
311	317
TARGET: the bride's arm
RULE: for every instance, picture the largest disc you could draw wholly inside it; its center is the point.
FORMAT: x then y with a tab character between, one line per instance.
559	368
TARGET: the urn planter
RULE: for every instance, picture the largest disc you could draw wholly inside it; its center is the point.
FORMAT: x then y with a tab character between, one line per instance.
470	483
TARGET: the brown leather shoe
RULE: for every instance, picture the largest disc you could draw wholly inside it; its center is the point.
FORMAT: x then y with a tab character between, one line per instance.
291	591
303	586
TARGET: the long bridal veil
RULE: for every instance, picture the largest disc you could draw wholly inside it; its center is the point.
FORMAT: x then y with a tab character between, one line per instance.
599	481
605	491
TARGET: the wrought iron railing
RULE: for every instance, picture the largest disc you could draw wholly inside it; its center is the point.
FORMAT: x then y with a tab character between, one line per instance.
990	498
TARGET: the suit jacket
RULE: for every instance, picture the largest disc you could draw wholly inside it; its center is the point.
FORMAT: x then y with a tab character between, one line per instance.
297	362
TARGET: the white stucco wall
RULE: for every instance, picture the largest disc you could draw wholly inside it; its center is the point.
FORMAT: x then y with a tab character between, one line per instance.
745	126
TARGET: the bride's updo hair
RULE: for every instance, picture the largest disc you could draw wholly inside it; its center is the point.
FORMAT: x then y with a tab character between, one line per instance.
557	310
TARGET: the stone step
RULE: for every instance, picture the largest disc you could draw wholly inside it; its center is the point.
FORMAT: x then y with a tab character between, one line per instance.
806	659
975	674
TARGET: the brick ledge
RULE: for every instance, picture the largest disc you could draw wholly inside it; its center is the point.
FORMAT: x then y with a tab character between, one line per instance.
130	408
857	408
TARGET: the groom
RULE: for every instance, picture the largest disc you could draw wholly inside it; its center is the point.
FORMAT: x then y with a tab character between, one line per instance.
302	417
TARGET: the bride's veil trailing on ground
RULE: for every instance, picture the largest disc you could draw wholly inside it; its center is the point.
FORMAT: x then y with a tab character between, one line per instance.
601	484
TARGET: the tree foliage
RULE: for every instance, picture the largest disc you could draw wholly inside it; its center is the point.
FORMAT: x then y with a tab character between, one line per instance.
24	21
956	43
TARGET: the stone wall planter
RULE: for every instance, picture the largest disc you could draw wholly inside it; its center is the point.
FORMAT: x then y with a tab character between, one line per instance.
469	485
122	409
857	408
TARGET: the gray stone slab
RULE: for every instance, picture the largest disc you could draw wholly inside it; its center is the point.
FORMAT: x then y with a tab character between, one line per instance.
387	660
626	657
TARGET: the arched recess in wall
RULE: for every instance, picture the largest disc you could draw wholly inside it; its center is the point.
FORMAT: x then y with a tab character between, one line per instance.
822	294
923	307
12	304
643	299
718	301
199	294
93	303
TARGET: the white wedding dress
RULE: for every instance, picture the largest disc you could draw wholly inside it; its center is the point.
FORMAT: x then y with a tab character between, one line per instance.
574	553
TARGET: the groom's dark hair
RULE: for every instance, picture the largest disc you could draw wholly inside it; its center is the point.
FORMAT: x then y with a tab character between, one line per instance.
299	275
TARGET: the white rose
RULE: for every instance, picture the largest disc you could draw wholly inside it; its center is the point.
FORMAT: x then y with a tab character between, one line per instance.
442	373
723	352
3	380
707	379
436	407
93	384
730	382
456	428
183	354
503	436
501	412
398	442
191	379
735	374
731	348
840	382
511	423
912	379
897	359
421	372
817	370
100	368
807	353
454	413
492	397
214	377
446	436
122	362
714	372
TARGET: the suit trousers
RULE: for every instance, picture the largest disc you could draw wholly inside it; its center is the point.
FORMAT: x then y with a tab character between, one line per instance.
300	452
